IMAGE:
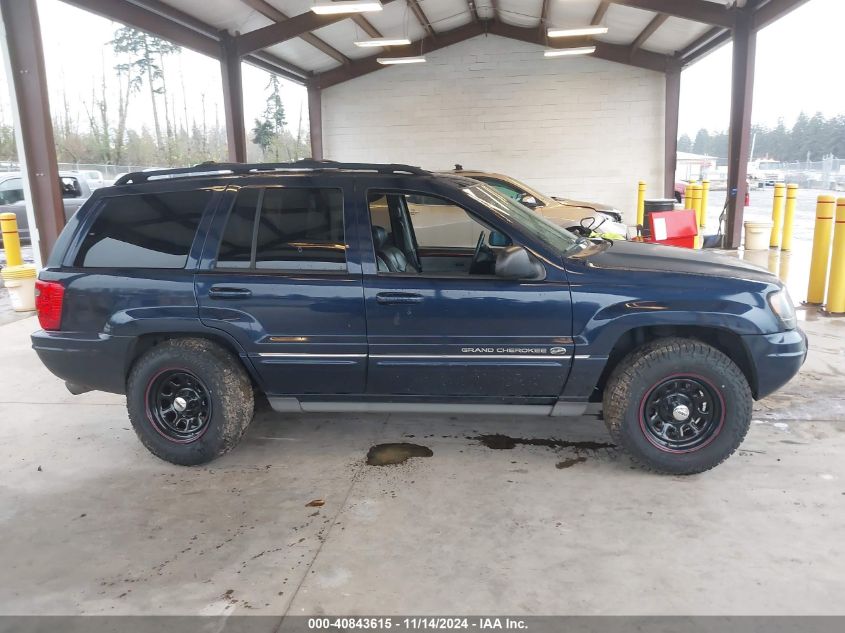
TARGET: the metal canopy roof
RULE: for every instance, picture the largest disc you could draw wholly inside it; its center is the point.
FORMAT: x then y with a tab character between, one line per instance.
286	37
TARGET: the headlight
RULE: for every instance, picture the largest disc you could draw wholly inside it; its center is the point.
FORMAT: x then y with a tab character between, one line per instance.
781	304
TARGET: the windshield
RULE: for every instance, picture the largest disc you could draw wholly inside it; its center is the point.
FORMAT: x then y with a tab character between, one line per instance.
554	236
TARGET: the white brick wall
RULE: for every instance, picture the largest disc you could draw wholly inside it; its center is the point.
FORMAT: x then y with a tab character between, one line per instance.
579	127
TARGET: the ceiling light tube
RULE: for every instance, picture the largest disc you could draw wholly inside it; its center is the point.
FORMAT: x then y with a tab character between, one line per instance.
560	52
334	7
400	60
587	30
383	41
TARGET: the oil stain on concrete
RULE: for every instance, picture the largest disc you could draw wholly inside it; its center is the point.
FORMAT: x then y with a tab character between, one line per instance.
395	453
504	442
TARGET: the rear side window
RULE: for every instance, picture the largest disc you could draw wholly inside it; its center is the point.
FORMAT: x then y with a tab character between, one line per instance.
144	231
285	229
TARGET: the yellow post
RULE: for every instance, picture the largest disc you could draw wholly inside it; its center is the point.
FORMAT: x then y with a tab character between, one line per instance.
11	239
821	250
836	285
705	191
688	194
789	216
641	202
777	214
696	203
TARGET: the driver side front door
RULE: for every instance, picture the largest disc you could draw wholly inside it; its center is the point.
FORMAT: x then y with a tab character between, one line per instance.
443	332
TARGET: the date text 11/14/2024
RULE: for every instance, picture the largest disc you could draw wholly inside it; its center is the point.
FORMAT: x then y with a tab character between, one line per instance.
417	623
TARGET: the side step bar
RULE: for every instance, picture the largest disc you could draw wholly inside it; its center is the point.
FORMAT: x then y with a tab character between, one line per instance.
294	405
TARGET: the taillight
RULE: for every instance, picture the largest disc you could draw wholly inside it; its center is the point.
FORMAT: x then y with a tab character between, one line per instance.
49	296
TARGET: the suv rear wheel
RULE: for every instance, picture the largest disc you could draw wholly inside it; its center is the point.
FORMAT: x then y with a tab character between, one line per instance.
189	401
678	406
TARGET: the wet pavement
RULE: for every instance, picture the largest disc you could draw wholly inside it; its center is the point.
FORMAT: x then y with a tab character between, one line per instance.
504	515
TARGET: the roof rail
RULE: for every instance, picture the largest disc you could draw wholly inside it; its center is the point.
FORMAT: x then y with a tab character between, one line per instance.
212	168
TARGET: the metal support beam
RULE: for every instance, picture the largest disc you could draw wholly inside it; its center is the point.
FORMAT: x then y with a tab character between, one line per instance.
272	13
280	32
421	17
604	5
696	10
610	52
34	128
473	10
742	92
315	122
365	25
146	20
233	99
673	106
648	31
369	64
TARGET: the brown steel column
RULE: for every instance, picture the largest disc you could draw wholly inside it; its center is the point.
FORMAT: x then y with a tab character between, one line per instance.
32	110
739	138
315	122
673	106
233	99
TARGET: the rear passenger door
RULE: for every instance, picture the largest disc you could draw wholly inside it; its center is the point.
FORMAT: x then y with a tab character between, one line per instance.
277	276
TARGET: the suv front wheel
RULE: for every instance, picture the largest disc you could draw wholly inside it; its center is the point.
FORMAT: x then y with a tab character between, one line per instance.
678	406
189	401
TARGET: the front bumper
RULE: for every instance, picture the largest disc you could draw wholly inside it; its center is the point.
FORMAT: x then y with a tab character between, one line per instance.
93	361
775	359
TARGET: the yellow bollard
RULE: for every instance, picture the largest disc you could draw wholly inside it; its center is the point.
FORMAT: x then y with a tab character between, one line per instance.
836	285
789	216
696	203
688	194
822	235
777	215
641	202
705	191
11	239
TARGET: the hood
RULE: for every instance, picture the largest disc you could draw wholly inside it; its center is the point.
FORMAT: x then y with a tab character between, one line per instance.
595	206
669	259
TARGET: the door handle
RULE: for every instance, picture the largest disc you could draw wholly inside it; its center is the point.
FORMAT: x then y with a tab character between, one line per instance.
226	292
391	298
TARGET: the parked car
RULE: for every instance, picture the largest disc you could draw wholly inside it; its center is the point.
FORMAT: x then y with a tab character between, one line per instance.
307	282
75	192
94	178
565	212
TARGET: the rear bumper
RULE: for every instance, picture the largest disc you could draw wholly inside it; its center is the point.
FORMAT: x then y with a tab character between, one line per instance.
776	358
93	361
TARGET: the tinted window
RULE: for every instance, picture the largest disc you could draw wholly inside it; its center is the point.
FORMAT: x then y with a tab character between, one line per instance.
298	229
144	231
11	191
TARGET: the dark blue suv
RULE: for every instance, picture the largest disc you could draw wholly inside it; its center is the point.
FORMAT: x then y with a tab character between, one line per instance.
360	287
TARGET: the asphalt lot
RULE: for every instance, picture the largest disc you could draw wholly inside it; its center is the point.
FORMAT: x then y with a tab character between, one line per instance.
93	524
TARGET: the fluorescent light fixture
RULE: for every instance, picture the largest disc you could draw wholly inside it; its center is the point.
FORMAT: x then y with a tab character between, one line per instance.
587	30
400	60
560	52
346	6
382	41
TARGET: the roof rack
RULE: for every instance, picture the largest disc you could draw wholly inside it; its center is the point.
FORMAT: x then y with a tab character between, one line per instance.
212	168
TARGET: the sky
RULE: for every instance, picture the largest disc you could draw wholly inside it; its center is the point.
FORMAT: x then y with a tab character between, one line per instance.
798	68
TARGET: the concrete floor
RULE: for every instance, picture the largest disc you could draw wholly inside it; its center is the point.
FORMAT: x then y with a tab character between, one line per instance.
93	524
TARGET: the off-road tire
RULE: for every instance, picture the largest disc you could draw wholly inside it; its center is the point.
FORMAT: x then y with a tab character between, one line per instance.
224	380
644	368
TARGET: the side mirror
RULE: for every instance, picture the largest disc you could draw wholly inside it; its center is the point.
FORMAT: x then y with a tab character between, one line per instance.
528	200
498	239
514	262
